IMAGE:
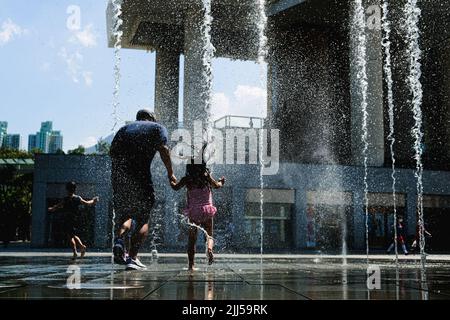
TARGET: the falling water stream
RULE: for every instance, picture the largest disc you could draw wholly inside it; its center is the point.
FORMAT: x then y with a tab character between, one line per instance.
117	33
361	65
412	17
261	21
386	43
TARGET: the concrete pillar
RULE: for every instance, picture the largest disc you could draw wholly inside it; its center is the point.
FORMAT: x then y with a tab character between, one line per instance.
238	215
374	55
167	87
411	211
39	221
359	221
194	81
301	223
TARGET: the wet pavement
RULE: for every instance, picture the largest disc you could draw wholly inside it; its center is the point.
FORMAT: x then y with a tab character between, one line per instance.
232	277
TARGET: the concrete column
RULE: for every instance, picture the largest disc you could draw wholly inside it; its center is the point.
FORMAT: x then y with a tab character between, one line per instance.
411	212
39	215
301	223
359	221
238	215
102	233
167	87
194	81
374	55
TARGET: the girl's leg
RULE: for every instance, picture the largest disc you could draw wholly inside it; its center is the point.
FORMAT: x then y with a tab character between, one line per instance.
191	246
208	225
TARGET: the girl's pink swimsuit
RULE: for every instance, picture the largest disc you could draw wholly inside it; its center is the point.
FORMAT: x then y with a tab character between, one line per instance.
199	204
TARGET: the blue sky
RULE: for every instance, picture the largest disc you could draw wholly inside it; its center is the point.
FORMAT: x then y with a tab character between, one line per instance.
49	72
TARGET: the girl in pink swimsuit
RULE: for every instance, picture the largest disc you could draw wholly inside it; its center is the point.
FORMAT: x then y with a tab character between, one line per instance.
200	209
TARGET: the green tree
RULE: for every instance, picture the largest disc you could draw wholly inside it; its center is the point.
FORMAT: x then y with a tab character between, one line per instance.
78	151
59	151
102	147
14	154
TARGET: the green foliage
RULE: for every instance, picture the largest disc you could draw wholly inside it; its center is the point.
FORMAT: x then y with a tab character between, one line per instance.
15	201
102	147
78	151
15	154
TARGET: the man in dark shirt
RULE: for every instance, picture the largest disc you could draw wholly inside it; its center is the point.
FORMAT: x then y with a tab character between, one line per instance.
132	152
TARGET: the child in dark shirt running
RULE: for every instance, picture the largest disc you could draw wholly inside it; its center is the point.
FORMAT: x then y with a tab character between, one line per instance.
70	206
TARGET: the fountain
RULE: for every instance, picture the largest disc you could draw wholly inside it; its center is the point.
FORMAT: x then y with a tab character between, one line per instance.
412	17
359	22
386	25
117	33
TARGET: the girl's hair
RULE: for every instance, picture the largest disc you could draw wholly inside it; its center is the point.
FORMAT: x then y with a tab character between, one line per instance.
198	174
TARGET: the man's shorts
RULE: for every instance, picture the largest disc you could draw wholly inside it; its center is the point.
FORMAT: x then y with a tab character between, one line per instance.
133	194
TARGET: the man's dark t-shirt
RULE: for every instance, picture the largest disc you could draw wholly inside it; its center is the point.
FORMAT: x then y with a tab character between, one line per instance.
135	146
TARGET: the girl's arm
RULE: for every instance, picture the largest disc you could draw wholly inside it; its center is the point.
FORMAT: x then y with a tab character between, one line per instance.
56	207
216	184
90	202
178	185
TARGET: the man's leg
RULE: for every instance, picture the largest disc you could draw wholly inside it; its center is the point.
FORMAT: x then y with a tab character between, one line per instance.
136	241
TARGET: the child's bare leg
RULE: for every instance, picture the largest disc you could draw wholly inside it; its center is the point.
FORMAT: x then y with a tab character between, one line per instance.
209	229
209	242
191	246
82	246
73	245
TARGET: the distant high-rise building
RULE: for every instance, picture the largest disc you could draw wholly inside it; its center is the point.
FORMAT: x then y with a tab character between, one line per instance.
56	142
46	140
3	130
12	141
9	141
31	142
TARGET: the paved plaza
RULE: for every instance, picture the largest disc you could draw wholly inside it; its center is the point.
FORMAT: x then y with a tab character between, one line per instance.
47	275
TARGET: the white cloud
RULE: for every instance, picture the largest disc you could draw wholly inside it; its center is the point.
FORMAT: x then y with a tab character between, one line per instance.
89	142
87	76
9	30
73	62
86	37
246	101
220	105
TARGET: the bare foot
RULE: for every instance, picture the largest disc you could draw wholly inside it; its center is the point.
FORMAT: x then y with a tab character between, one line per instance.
75	255
210	257
83	251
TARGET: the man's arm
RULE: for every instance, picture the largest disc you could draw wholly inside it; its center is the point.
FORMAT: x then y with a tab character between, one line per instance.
164	152
178	185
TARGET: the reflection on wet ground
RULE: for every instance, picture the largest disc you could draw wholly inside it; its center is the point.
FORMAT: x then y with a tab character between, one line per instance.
56	276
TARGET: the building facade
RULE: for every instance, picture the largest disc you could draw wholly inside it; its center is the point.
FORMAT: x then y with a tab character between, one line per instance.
316	200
